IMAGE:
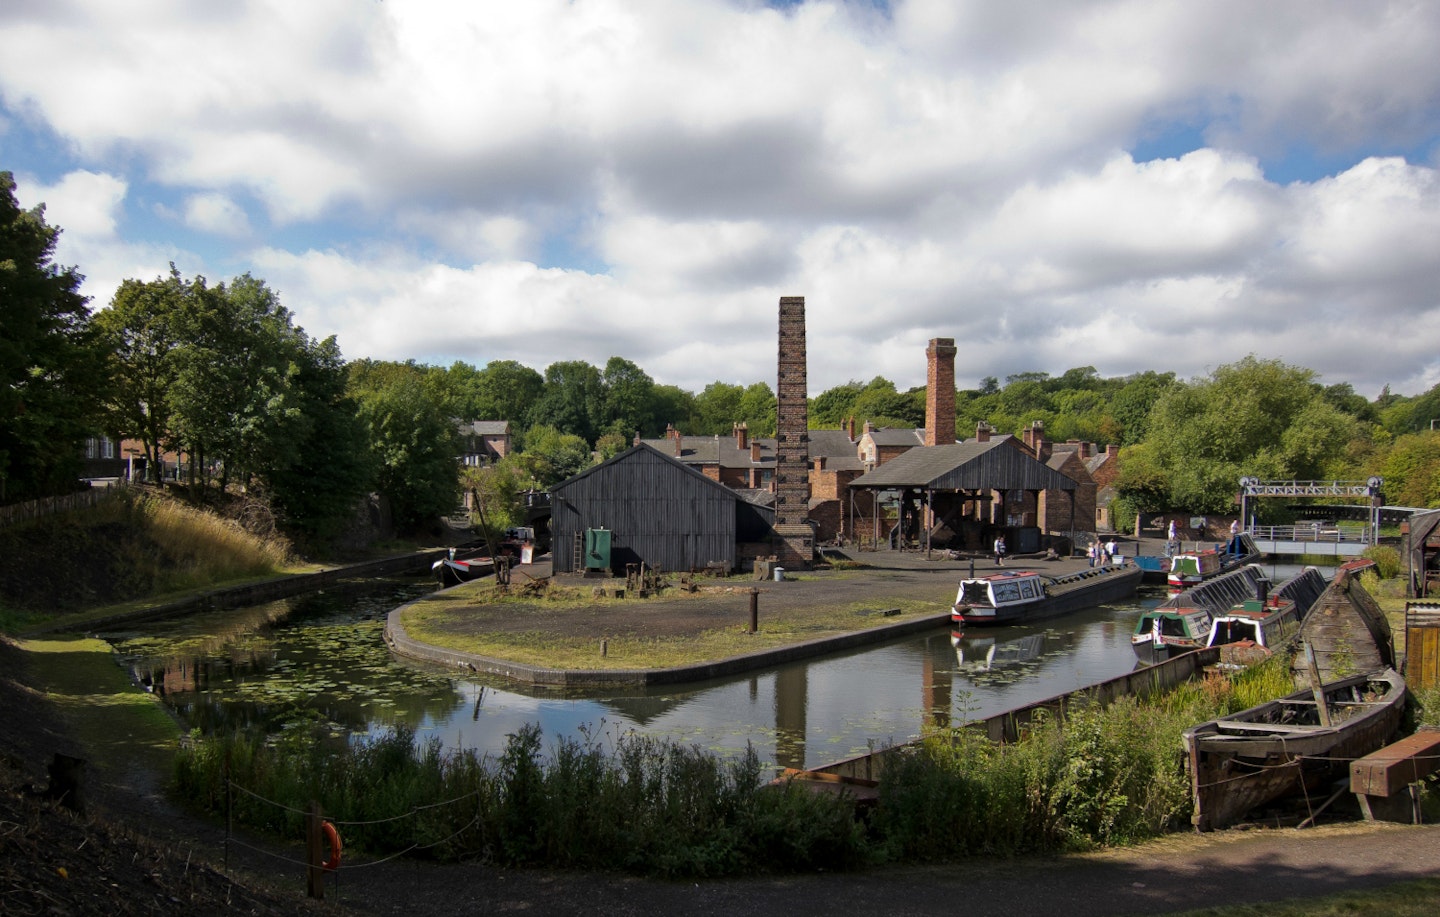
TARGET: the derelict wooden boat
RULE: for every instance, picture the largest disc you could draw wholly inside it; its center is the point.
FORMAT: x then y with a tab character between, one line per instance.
1256	756
1019	596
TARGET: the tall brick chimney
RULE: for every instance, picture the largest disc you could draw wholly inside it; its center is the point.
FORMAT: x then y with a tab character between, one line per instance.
940	392
795	542
742	436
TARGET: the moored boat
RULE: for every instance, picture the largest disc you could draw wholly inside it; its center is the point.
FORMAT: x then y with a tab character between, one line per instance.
1252	629
451	571
1191	568
1169	630
1019	596
1285	746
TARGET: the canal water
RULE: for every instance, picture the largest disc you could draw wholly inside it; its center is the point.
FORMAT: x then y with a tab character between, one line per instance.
321	659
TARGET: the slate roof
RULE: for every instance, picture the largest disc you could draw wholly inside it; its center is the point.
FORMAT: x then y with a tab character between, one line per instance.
972	465
485	427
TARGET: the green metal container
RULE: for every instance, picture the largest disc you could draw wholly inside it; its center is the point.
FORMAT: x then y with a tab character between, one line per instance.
597	549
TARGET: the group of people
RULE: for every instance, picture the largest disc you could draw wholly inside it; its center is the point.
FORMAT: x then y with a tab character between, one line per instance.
1101	554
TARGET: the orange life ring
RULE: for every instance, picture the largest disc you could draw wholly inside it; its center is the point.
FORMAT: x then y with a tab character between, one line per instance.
332	837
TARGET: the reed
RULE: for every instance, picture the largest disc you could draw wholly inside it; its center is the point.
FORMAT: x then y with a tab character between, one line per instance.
612	802
1101	777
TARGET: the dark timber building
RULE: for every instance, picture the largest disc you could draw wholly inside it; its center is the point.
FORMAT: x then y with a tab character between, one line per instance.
658	512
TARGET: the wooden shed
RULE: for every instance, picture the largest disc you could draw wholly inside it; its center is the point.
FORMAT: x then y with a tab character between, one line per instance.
1422	553
658	512
1347	629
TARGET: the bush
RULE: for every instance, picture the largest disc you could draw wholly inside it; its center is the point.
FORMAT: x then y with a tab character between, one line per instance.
1387	560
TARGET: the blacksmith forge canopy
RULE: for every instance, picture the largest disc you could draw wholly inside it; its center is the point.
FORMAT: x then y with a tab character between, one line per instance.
967	471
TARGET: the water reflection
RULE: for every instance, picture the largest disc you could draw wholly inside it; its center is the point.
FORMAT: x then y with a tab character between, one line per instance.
323	657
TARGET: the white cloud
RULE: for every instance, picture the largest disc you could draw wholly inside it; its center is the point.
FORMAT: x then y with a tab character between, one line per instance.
217	214
579	179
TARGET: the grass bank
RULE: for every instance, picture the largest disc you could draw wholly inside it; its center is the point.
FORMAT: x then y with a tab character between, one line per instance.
132	548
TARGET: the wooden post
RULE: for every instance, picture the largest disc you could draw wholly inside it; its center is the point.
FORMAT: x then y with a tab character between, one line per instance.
1314	669
314	856
754	610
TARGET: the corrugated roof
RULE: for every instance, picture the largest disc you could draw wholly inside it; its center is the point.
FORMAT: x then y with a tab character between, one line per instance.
973	466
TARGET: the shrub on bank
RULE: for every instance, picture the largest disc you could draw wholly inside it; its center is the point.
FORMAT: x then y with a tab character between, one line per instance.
645	805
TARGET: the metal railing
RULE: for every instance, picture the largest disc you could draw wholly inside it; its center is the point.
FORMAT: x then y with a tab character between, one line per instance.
1328	534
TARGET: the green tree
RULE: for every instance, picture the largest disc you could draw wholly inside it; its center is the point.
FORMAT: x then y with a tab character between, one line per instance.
1238	422
1131	405
1411	469
758	409
316	486
551	456
834	406
415	443
718	405
572	400
629	399
673	405
505	390
52	367
140	331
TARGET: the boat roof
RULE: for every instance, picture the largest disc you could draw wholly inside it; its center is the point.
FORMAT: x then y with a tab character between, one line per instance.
1003	577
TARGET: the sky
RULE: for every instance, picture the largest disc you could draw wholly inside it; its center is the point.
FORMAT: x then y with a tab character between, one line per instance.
1127	185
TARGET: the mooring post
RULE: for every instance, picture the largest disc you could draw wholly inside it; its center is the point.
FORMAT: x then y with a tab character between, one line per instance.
754	610
604	648
314	874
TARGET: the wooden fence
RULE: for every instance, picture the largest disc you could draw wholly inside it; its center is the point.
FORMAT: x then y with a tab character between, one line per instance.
49	506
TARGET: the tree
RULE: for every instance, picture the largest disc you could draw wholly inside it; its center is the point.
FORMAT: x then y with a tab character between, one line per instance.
415	443
834	406
673	405
52	367
628	394
140	331
1255	417
315	488
1411	469
551	456
758	409
719	407
572	400
504	390
1131	405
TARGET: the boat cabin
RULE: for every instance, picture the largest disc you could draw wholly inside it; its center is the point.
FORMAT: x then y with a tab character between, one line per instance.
1000	589
1170	630
1264	622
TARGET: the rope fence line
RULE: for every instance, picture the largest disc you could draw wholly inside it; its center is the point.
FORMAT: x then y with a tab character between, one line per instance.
414	810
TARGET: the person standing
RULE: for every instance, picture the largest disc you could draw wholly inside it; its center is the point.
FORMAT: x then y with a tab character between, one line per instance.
1110	551
1090	552
1000	550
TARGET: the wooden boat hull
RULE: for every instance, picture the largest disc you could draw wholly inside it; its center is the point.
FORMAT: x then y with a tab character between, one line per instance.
1240	762
1084	590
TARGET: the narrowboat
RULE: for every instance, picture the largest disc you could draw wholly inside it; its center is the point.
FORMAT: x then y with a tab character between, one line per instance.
1191	568
1021	596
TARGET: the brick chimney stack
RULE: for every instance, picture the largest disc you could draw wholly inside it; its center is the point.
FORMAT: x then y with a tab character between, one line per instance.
982	432
940	392
795	545
673	435
742	436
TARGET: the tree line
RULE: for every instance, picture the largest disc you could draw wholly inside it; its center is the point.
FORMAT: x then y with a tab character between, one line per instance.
221	373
